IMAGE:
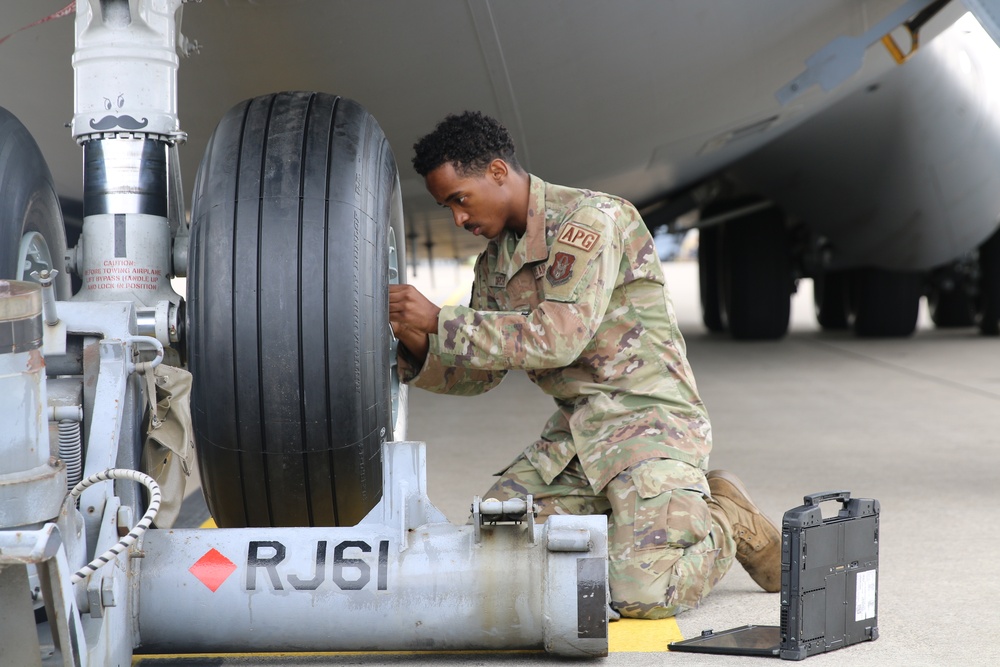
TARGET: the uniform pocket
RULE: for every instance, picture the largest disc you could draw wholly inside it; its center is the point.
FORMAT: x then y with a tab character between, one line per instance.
670	508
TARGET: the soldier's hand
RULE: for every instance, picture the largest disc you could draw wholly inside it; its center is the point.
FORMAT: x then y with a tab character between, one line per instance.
407	306
417	342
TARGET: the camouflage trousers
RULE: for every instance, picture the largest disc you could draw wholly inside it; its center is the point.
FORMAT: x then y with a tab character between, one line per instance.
668	545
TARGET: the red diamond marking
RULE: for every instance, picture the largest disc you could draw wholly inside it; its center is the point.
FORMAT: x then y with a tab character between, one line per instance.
212	569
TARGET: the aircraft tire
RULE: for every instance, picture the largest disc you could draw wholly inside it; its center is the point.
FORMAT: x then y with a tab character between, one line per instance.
708	279
30	215
988	311
884	304
756	276
830	299
288	307
951	307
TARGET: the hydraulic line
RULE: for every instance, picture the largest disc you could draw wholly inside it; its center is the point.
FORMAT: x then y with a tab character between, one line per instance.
133	535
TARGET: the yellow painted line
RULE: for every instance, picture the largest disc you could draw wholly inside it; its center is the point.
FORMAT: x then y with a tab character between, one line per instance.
209	523
634	635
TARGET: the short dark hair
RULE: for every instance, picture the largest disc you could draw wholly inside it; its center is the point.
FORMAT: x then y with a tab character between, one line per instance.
469	141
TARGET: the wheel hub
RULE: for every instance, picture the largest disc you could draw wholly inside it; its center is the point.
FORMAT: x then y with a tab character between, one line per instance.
33	255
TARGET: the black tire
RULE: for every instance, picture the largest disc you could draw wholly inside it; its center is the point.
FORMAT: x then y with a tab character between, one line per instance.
288	311
884	304
708	279
949	302
756	276
28	205
830	298
988	305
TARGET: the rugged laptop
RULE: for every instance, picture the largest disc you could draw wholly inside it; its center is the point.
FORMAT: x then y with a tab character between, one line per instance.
829	585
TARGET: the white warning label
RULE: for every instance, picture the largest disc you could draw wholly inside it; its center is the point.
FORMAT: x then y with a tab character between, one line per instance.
123	274
864	601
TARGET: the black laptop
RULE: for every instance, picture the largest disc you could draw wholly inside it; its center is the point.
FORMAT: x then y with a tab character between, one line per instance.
829	585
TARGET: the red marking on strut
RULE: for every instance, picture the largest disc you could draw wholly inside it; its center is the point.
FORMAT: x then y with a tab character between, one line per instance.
212	569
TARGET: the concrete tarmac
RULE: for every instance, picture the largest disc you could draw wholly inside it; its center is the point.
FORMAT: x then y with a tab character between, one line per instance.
913	423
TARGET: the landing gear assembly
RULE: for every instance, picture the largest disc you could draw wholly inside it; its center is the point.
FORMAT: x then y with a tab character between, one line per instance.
748	267
329	541
744	267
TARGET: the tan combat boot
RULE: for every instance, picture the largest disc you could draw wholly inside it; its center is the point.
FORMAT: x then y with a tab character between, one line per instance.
758	540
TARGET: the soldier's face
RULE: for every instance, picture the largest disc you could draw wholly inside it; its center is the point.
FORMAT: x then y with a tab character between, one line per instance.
478	202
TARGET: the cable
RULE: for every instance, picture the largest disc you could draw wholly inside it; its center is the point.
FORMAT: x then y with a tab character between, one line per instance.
133	535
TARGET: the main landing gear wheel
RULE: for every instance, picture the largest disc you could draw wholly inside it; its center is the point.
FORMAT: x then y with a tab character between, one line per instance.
884	303
295	204
988	310
708	278
32	236
948	300
830	299
756	276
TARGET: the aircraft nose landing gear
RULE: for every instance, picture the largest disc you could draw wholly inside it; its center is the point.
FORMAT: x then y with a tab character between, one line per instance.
296	407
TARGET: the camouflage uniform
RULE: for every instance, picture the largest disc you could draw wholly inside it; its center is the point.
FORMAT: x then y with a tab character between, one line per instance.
580	303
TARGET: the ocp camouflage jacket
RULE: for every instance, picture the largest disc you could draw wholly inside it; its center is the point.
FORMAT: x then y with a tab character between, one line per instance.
580	303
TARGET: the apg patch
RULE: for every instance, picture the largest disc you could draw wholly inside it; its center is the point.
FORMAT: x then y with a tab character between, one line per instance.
561	268
578	237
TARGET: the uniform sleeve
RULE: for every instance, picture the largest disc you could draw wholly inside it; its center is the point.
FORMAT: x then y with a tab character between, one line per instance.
439	377
580	275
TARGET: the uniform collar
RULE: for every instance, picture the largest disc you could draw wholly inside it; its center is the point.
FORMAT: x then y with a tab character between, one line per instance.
534	236
531	247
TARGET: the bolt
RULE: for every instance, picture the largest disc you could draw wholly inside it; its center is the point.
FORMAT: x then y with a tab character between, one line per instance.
107	592
124	520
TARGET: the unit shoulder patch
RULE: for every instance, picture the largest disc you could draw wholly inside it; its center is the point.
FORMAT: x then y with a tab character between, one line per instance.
577	236
561	269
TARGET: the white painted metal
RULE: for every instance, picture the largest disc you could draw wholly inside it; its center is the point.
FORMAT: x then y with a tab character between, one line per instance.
125	68
404	578
44	550
987	12
842	58
141	272
32	481
22	380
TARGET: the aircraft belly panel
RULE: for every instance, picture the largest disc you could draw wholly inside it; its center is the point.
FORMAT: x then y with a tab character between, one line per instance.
636	98
897	175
